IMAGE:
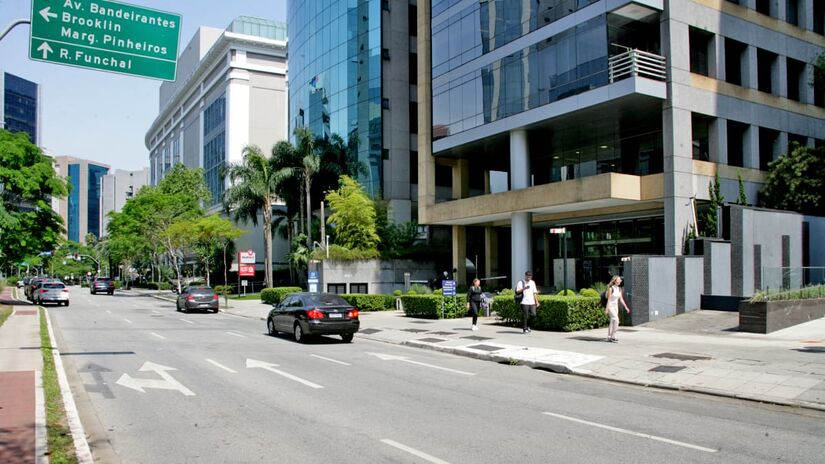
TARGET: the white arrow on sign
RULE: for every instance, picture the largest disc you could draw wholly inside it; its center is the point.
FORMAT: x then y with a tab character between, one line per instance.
165	383
391	357
46	13
45	48
252	363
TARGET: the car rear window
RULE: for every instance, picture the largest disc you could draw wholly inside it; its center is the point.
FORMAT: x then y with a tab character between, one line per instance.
324	300
201	290
55	285
104	279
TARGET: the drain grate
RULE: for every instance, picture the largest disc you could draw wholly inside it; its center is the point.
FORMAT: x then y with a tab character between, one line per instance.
369	331
477	338
483	347
430	340
682	357
443	333
668	369
415	331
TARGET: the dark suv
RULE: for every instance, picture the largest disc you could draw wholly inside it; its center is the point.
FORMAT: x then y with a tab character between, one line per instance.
102	284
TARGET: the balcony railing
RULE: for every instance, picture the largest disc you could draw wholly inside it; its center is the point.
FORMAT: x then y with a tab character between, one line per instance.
634	63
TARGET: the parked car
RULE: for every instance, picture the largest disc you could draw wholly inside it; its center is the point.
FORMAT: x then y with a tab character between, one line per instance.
198	297
33	284
52	292
303	314
102	284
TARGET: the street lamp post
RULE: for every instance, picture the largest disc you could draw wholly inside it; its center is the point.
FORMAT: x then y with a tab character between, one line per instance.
562	233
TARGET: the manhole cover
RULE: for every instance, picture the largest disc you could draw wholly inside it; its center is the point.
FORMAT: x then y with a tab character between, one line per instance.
443	333
477	338
369	331
414	330
431	340
682	357
669	369
483	347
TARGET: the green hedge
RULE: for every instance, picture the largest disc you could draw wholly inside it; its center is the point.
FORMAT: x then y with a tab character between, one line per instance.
276	294
365	302
158	285
589	292
564	313
429	306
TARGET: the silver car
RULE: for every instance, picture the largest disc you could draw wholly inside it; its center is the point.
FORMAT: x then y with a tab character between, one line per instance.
51	292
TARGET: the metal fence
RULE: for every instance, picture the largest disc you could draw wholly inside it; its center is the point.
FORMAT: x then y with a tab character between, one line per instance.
635	62
792	282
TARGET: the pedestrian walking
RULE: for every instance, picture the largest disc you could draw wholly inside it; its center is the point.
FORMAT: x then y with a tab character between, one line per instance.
614	296
529	300
474	298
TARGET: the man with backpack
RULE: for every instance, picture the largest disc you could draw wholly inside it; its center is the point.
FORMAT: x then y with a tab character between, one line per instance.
527	296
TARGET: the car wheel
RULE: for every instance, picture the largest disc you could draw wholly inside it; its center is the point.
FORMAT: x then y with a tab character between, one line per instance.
92	292
347	338
298	332
112	292
270	328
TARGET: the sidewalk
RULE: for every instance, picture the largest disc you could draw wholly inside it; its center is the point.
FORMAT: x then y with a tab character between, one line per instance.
699	352
22	413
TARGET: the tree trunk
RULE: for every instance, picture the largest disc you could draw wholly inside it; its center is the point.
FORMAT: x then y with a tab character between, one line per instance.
289	237
225	276
206	262
309	212
268	243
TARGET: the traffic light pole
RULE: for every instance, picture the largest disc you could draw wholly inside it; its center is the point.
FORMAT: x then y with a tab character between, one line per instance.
11	26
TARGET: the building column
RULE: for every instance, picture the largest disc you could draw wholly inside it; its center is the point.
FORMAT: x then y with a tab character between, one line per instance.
678	178
751	4
717	58
806	92
460	254
781	147
750	71
750	155
719	141
779	10
490	252
461	179
806	14
521	222
547	261
237	112
519	160
780	76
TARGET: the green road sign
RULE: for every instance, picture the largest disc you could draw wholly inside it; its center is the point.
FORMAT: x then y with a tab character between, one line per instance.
106	35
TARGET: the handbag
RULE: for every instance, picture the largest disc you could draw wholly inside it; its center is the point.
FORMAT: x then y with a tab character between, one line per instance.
518	296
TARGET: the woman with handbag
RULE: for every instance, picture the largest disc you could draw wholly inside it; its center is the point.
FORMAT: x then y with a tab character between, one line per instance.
474	297
614	296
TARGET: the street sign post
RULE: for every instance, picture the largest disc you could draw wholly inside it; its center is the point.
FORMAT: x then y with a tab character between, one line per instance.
312	281
562	232
107	36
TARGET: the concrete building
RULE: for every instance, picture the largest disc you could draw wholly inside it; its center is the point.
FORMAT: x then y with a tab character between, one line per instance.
230	93
81	210
116	189
353	73
605	117
20	106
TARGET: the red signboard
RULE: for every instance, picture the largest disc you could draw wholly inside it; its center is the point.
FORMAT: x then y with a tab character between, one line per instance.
246	270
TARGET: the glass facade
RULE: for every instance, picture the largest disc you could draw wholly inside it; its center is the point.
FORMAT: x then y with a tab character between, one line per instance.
335	75
214	146
73	226
258	27
93	195
20	105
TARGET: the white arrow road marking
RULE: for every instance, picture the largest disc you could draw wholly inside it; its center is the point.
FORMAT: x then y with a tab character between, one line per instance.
159	336
45	48
330	360
236	334
413	451
390	357
630	432
127	320
221	366
167	382
251	363
46	13
187	321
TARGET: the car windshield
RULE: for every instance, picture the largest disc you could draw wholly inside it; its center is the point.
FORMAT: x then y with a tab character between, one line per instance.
324	300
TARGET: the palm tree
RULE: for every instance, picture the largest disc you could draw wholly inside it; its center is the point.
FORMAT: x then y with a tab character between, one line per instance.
255	184
310	163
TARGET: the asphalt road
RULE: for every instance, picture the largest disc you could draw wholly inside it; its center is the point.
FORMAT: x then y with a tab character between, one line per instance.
154	385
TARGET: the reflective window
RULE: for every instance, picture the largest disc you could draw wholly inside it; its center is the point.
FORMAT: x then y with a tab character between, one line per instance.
214	146
20	106
93	195
73	226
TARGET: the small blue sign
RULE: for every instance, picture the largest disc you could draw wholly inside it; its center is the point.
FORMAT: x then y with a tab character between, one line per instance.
313	275
448	287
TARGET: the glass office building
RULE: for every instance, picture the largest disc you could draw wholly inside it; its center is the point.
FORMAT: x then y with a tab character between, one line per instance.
81	210
20	106
335	81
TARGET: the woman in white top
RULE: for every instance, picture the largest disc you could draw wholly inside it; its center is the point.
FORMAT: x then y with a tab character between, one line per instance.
614	296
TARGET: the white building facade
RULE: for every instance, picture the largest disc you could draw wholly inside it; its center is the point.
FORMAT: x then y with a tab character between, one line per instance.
116	189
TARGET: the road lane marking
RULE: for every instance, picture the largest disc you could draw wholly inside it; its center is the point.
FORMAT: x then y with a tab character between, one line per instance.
221	366
330	360
413	451
108	311
251	363
127	320
187	321
166	382
636	434
236	334
159	336
391	357
156	311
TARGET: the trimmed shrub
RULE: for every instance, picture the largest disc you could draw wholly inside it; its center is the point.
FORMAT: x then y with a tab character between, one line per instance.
276	294
224	291
567	292
366	302
420	289
156	285
589	293
396	293
429	306
438	291
559	313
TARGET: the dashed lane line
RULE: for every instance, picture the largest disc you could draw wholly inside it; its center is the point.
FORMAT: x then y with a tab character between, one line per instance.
331	360
127	320
236	334
158	335
413	451
215	363
187	321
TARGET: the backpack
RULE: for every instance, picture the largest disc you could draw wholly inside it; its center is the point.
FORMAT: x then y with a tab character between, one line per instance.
518	296
603	299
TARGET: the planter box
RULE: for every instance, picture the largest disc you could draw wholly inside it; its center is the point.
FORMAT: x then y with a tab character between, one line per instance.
769	316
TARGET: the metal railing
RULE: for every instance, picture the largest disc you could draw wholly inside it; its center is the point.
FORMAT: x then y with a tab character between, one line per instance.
790	278
634	63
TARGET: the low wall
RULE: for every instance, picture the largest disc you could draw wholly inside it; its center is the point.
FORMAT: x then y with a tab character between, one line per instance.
378	276
769	316
657	287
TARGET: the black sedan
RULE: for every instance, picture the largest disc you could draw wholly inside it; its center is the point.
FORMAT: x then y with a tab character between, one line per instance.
198	297
303	314
102	285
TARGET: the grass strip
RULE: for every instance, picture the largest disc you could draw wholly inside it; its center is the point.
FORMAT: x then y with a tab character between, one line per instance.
250	296
5	312
61	444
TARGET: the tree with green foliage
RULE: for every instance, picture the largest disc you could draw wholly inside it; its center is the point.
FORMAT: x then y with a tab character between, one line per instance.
710	214
743	196
353	216
28	182
796	182
211	233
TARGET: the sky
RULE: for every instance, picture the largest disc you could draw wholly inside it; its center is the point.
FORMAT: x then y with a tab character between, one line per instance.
102	116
